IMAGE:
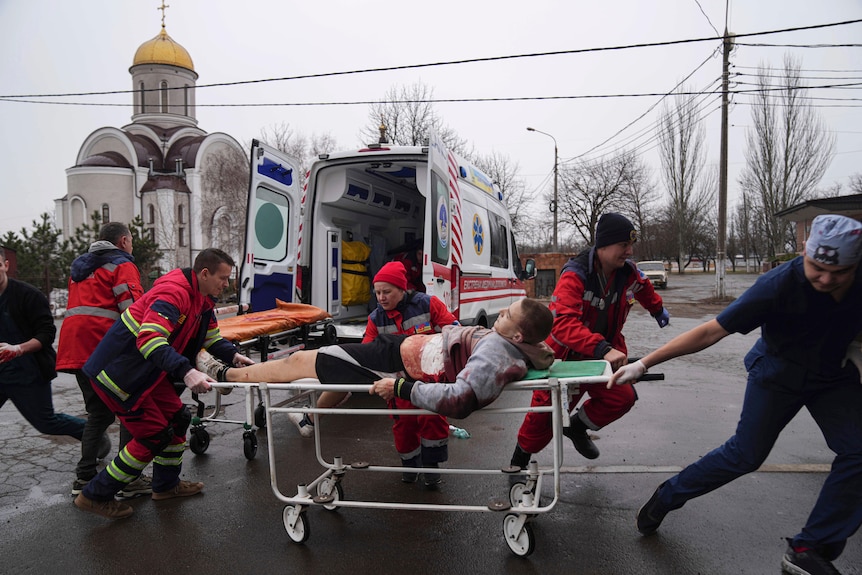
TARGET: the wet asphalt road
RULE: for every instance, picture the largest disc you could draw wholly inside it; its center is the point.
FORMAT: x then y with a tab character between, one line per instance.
236	525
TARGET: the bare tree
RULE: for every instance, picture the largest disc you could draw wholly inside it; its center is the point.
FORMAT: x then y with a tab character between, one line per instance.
589	188
408	116
682	153
224	200
856	184
786	155
640	201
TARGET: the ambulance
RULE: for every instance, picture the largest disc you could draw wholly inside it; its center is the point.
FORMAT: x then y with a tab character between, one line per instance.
322	243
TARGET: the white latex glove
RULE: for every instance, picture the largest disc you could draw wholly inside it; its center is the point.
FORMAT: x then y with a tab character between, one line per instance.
197	381
8	352
627	374
854	354
240	360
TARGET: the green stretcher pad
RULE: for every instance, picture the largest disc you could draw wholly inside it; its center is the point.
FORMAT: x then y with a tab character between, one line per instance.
563	369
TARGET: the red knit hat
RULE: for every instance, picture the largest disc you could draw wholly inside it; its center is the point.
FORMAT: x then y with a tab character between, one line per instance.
393	273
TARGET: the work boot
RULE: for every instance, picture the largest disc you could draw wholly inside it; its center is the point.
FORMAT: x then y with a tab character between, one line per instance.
410	476
432	480
181	489
112	509
213	367
520	458
651	514
577	432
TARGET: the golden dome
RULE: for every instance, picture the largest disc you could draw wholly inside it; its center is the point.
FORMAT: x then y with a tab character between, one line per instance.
163	50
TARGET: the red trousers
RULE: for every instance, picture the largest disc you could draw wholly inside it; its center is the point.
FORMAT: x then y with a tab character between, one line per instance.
601	408
409	431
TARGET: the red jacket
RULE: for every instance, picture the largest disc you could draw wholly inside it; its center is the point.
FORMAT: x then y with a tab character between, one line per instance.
577	306
104	282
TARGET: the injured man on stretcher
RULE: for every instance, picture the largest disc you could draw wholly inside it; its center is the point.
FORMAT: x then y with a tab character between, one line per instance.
472	364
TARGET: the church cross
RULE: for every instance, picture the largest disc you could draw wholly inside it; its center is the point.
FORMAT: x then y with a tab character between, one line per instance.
162	8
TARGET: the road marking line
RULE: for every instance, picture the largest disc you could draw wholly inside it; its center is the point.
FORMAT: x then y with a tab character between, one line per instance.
769	468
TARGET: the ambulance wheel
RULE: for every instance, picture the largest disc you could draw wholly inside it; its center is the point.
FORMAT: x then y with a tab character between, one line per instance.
260	417
522	542
249	444
330	488
199	442
296	524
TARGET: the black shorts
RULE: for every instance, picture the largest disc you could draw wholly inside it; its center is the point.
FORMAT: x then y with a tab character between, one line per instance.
360	363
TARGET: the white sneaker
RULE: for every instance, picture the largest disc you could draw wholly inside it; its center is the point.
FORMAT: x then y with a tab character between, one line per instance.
302	423
211	366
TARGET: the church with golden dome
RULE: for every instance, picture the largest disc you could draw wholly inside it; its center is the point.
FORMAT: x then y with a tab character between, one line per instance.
162	166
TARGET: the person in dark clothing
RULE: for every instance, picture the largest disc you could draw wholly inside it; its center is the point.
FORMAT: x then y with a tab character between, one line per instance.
27	356
808	311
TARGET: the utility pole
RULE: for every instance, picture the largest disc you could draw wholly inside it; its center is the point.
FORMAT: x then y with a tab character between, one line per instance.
721	251
553	205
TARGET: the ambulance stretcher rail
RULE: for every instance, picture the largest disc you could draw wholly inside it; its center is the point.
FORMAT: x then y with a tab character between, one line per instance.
522	505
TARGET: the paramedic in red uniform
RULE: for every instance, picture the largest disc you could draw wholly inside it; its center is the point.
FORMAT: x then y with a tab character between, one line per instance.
103	283
133	370
597	288
421	440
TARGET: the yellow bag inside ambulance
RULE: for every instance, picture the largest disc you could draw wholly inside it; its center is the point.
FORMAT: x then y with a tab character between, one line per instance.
355	281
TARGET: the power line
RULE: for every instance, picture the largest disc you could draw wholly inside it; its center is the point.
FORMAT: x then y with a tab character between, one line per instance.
650	109
799	45
454	62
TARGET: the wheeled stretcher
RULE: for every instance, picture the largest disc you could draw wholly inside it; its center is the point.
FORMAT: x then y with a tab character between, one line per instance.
519	506
263	336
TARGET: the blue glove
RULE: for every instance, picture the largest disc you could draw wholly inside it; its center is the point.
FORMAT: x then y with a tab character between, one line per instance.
662	318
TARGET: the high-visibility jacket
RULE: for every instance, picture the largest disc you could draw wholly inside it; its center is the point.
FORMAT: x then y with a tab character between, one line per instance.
158	337
581	298
104	282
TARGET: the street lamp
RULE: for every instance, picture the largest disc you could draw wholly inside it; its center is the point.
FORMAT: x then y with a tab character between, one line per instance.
553	206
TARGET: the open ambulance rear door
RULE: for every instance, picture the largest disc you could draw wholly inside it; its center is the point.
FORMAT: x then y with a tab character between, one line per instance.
444	244
269	270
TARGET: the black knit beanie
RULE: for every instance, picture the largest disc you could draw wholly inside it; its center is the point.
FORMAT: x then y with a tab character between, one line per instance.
614	228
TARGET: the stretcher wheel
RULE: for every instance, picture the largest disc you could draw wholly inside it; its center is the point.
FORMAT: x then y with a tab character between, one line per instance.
522	542
515	493
249	444
199	442
330	489
330	336
296	524
260	417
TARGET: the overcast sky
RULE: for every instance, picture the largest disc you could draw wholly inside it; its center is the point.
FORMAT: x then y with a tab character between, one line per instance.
58	46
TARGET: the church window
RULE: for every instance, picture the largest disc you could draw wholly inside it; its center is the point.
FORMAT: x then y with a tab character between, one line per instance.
141	95
186	100
106	213
151	214
164	96
182	237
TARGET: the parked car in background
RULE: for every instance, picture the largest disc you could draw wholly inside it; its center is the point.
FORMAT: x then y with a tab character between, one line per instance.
656	272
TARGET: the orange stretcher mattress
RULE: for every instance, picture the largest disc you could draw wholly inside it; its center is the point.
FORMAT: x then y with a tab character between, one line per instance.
285	316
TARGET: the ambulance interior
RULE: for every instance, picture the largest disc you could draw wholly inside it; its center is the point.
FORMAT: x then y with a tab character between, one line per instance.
371	208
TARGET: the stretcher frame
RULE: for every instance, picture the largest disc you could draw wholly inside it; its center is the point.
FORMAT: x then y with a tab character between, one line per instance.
520	508
298	337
